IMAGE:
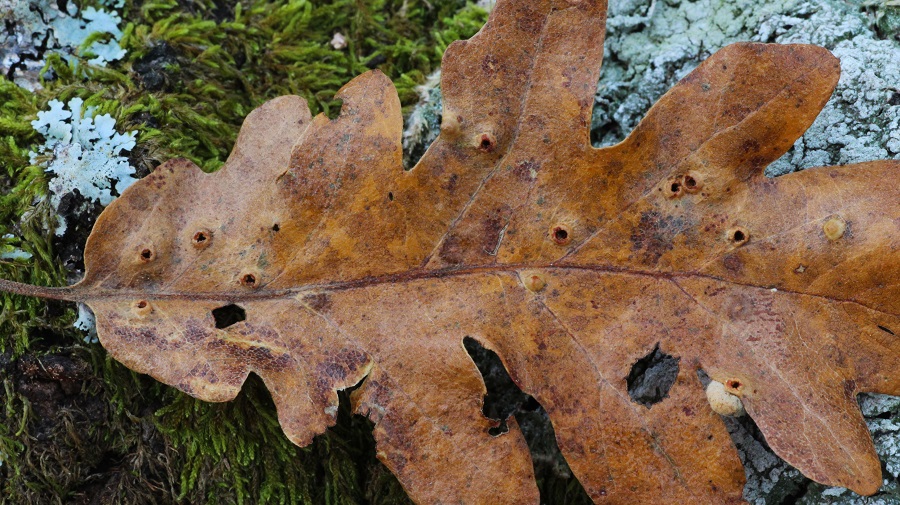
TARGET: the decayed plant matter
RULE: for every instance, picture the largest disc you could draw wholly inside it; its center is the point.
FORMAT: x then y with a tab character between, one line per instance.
570	262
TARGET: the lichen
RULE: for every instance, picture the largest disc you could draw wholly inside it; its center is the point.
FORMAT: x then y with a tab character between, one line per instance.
83	151
8	251
424	123
35	28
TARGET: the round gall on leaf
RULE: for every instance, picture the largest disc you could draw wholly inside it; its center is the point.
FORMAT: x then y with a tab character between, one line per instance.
723	402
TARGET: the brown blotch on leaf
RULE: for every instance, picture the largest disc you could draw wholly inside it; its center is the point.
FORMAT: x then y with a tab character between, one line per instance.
452	250
319	302
733	263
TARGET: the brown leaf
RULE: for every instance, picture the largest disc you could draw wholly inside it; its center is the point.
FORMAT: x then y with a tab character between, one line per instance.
572	263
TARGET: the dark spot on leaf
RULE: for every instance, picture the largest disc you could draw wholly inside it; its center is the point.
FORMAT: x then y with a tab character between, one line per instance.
524	170
652	377
319	302
733	263
452	183
452	250
489	63
491	228
654	234
750	146
229	315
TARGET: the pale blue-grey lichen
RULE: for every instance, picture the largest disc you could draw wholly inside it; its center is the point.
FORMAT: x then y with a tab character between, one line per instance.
424	123
87	323
32	28
9	251
83	151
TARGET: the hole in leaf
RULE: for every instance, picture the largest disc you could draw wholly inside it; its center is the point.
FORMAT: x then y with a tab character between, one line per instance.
228	315
391	196
676	187
248	280
886	329
275	227
503	397
555	479
734	384
141	304
652	377
146	255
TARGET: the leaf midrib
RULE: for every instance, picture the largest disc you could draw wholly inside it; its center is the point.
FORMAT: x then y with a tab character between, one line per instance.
88	294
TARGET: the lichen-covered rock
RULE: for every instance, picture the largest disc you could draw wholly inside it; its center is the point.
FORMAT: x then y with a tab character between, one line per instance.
651	44
31	28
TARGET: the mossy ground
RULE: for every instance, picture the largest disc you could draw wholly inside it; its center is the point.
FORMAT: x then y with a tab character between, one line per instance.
76	426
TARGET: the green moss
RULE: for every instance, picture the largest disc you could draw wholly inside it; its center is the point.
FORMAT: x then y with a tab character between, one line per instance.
194	69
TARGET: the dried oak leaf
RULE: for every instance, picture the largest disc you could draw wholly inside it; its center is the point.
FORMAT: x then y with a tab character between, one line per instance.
570	262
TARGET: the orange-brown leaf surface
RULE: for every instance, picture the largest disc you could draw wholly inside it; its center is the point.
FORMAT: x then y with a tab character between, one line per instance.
570	262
